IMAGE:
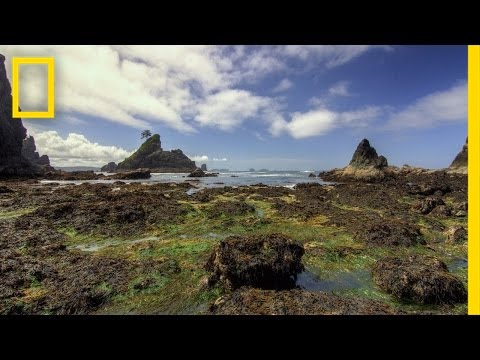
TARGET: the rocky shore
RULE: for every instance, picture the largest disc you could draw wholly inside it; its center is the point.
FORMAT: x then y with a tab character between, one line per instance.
135	248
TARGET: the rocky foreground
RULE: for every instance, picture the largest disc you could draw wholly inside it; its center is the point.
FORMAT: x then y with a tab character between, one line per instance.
394	247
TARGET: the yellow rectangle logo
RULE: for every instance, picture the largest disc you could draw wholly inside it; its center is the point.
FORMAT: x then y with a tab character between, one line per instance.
16	62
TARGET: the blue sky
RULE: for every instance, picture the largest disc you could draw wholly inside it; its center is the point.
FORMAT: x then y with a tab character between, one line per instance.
276	107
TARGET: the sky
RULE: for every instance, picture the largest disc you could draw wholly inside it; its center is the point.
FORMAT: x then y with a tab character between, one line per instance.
292	107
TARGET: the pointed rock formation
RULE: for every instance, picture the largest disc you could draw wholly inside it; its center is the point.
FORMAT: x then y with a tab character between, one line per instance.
12	133
151	156
203	167
365	165
29	152
460	163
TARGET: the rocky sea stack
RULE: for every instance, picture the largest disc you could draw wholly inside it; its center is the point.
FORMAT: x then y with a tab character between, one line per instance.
365	156
460	163
151	156
12	133
365	165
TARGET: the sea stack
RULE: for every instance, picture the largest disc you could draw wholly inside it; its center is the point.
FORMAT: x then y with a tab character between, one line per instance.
365	155
151	156
366	165
460	163
12	133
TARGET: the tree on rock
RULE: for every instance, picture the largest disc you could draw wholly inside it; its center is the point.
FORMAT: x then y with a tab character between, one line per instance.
146	134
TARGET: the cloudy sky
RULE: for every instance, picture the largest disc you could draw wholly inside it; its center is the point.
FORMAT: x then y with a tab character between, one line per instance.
277	107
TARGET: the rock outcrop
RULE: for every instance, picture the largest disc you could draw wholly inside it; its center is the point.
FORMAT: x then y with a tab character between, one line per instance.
200	173
264	261
29	152
366	155
419	278
203	167
132	175
110	167
151	156
460	163
12	133
365	165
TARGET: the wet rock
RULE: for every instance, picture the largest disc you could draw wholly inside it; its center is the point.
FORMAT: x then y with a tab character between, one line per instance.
456	234
265	261
426	205
312	175
442	211
203	167
249	301
72	175
200	173
390	233
419	278
132	175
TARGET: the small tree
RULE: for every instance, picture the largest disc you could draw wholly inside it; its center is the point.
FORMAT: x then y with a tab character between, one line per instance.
146	134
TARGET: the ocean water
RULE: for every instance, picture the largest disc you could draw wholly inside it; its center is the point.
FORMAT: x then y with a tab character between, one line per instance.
231	178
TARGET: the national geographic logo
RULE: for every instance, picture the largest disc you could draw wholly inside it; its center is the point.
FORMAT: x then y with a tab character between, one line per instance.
16	62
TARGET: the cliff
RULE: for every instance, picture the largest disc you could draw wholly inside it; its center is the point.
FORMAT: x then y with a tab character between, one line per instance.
12	133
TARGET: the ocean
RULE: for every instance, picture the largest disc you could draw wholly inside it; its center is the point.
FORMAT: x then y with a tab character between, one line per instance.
231	178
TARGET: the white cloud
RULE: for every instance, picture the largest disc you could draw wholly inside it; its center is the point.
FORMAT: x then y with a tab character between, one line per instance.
447	106
322	120
330	55
76	150
228	109
220	159
198	158
340	88
182	87
283	85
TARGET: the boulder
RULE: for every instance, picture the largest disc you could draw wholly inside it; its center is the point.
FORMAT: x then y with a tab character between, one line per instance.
200	173
264	261
456	234
110	167
203	167
419	278
312	175
426	205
